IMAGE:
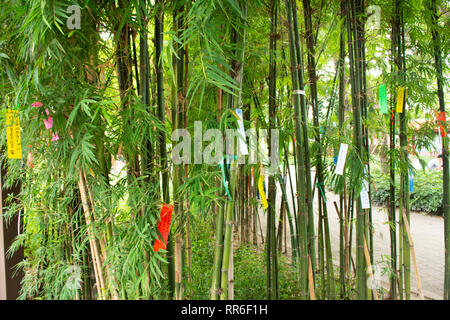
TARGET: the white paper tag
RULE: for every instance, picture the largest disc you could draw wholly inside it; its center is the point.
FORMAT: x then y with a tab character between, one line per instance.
341	159
365	185
242	145
365	201
364	195
298	92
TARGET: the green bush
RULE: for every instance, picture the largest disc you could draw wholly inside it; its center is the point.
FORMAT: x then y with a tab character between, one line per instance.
426	197
249	273
251	280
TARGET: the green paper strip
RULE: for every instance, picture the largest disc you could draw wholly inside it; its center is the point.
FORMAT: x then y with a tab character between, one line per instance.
383	99
224	179
319	185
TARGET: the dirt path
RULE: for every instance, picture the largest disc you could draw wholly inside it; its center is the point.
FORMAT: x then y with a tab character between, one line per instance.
427	232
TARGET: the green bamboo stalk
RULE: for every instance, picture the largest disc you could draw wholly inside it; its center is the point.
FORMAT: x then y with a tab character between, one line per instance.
321	251
392	199
364	114
159	44
272	265
308	12
178	122
241	205
342	229
290	221
302	226
354	55
294	244
445	143
304	122
228	236
282	219
229	217
219	235
218	253
404	186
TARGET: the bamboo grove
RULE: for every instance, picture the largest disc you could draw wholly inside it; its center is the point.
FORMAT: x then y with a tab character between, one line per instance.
135	72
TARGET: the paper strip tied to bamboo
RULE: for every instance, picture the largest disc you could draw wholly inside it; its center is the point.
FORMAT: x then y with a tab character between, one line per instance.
400	99
14	143
163	227
440	117
383	99
262	194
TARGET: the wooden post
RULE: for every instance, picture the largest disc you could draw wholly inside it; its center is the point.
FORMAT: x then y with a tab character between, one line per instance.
9	280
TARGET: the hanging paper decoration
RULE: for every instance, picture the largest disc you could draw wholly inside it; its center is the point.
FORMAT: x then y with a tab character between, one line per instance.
364	195
383	99
261	191
163	227
411	181
300	92
440	117
341	159
400	99
13	141
242	137
222	165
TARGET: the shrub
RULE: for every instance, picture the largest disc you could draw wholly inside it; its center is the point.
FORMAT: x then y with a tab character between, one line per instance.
426	196
249	273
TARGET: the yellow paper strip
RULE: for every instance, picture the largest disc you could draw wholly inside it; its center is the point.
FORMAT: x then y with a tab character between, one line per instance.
14	143
400	98
262	194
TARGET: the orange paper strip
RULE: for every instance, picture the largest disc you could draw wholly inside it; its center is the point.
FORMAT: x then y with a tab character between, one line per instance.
440	117
163	227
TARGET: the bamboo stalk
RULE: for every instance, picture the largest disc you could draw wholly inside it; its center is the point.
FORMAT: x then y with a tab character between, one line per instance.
229	217
311	280
355	76
178	266
159	46
343	261
100	280
369	269
231	275
302	226
272	263
413	254
438	60
228	239
306	152
218	254
103	258
392	199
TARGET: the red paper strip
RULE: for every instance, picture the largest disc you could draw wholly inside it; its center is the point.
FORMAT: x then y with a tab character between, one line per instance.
440	117
163	227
